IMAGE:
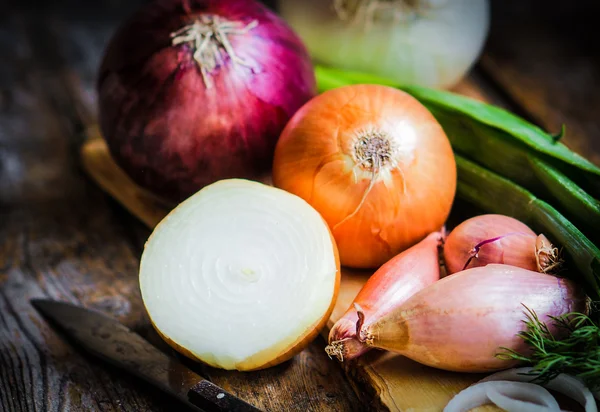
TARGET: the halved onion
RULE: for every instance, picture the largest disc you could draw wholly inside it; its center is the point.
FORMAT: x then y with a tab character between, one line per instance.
240	276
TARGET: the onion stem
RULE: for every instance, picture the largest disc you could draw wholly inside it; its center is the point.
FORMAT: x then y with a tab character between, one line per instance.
547	255
208	37
367	11
374	151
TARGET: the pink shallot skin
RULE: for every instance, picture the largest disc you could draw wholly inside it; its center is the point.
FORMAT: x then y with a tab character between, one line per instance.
391	285
342	338
461	322
490	239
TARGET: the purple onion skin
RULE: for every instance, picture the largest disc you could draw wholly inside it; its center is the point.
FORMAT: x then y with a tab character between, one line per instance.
170	133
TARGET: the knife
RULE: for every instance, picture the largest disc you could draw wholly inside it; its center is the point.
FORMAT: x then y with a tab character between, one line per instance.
111	341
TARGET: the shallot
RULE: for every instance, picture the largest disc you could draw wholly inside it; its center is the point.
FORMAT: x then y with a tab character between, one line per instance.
460	322
194	91
491	238
391	285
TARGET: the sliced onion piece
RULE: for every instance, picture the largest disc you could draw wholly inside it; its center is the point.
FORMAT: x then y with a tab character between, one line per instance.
511	396
563	383
521	397
240	276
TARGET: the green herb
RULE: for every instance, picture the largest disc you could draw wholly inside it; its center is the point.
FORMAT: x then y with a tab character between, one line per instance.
578	354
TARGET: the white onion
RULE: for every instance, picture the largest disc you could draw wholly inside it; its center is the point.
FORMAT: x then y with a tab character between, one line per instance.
429	43
510	396
240	276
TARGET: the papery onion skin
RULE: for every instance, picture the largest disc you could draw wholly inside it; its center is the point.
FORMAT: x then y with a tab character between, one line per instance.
316	158
172	133
493	238
391	285
460	322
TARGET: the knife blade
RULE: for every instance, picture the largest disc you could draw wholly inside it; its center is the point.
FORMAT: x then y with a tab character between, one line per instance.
108	339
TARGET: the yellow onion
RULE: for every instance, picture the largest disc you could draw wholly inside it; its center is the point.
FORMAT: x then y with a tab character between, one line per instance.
486	239
375	163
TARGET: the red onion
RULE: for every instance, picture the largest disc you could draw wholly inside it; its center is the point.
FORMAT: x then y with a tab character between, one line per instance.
195	91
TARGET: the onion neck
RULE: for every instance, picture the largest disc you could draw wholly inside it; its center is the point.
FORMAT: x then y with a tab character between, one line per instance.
342	339
389	332
373	152
547	256
208	37
369	12
346	349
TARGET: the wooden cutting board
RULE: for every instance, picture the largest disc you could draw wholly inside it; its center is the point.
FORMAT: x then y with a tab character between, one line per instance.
391	381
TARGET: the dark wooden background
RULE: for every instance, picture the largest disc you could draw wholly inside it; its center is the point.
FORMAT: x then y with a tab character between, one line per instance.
62	238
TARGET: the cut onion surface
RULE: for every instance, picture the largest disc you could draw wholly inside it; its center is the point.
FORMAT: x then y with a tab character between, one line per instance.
240	276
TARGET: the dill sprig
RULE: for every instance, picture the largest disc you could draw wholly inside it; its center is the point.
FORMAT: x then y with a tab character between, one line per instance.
577	354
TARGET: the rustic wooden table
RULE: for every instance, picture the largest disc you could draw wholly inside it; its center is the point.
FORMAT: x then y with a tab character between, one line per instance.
62	238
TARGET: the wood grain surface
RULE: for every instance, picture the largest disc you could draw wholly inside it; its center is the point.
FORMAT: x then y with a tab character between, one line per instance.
384	381
545	58
61	237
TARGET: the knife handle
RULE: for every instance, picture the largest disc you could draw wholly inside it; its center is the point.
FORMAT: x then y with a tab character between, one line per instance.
212	398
